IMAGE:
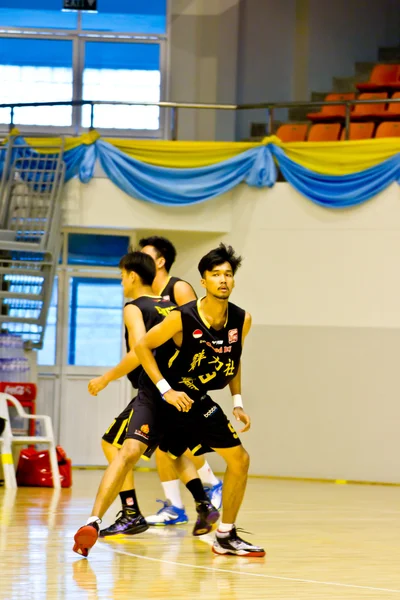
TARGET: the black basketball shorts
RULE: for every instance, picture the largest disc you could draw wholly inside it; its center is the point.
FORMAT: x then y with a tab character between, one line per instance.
115	434
202	429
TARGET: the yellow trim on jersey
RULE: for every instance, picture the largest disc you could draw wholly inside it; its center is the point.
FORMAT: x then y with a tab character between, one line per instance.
203	317
173	357
172	455
149	296
194	450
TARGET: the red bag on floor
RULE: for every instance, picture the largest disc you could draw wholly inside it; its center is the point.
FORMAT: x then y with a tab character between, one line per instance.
34	468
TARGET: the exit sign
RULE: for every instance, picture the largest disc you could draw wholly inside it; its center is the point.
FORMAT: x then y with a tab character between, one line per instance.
89	5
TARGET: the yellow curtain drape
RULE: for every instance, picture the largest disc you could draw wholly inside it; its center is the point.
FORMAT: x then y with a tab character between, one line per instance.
181	154
327	158
340	158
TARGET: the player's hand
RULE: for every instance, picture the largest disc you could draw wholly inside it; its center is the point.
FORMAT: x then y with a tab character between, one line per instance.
240	415
96	385
180	400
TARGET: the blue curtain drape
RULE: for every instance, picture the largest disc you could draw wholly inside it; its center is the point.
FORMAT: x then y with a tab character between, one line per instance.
183	186
338	191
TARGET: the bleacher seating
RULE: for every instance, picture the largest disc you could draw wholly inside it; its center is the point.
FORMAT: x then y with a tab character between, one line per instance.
368	111
383	78
359	131
324	132
383	84
331	113
388	129
393	110
292	133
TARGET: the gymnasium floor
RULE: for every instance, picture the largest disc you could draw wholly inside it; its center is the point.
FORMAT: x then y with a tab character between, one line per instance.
323	541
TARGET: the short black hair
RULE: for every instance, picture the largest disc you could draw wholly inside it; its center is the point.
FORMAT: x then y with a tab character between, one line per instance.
164	248
218	256
141	264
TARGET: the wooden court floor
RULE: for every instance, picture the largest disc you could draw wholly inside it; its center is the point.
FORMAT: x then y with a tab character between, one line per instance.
323	541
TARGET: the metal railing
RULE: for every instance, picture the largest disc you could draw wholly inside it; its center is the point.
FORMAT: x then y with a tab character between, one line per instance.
174	107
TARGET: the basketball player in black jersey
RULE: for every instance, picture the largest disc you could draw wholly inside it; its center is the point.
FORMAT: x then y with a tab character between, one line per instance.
180	292
208	335
145	422
173	512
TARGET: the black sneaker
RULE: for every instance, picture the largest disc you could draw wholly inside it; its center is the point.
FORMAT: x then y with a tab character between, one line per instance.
231	543
207	516
126	523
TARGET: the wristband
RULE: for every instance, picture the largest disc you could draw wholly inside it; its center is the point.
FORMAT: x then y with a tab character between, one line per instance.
163	386
237	401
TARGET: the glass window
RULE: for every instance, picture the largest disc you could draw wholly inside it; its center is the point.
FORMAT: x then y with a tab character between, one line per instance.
139	16
127	72
96	250
95	322
47	355
39	14
36	71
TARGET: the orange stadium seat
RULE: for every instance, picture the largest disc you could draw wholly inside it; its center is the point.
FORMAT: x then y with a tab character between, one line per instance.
324	132
292	133
330	113
383	77
359	131
366	112
393	111
388	129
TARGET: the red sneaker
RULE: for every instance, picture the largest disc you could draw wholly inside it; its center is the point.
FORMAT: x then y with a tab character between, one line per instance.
85	538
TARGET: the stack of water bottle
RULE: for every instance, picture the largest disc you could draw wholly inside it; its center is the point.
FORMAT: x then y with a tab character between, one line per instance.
13	365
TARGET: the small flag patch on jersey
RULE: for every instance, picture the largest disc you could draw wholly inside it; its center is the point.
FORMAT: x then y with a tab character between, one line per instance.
232	336
197	333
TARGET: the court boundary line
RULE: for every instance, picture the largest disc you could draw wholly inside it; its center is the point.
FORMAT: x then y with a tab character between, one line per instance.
262	575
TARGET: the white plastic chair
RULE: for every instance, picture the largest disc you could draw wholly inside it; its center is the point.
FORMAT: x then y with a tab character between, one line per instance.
7	440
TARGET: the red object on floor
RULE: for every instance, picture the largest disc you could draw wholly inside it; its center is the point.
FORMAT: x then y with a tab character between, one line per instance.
34	468
26	394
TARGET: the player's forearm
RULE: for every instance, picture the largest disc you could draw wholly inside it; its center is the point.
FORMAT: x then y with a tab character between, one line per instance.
127	364
148	362
235	384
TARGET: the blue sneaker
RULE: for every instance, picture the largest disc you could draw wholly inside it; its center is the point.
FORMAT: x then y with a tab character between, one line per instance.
214	493
168	515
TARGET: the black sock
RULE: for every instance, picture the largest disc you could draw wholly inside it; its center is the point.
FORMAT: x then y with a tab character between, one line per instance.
195	487
129	501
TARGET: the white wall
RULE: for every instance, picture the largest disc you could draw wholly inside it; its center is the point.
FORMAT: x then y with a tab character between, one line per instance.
203	58
346	31
266	57
320	367
288	49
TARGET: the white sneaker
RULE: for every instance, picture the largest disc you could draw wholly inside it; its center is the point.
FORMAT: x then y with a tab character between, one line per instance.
168	515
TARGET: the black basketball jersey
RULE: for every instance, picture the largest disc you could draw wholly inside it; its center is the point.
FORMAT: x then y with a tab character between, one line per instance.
154	309
208	359
168	291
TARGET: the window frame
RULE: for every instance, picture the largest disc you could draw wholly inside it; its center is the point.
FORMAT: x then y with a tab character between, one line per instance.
79	38
74	282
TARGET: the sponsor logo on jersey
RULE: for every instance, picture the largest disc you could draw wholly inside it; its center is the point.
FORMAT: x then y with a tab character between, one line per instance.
211	411
218	342
233	336
197	333
145	428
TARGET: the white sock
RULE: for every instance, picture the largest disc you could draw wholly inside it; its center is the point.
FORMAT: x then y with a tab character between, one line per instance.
206	475
93	520
172	492
225	527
